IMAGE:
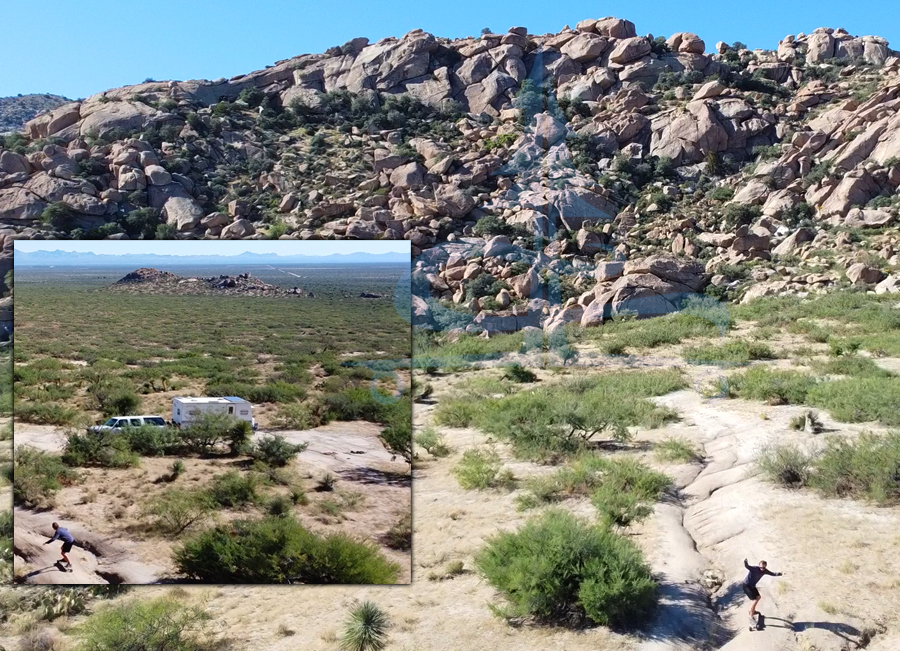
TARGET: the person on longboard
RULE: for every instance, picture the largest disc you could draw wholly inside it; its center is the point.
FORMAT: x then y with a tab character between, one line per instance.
63	534
754	574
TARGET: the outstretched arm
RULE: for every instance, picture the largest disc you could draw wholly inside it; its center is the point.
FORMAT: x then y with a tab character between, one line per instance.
746	564
55	536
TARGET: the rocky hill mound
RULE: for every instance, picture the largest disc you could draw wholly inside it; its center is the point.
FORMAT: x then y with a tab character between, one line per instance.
527	160
16	111
147	280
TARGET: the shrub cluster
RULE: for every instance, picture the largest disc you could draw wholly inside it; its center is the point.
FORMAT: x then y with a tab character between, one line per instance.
280	550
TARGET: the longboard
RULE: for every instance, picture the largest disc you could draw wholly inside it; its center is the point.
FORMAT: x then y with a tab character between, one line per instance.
758	624
62	568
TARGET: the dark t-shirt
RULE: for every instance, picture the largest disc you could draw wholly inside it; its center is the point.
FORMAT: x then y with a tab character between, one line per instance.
755	573
63	534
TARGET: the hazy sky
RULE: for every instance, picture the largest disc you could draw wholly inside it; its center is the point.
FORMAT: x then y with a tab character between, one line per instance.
212	247
80	48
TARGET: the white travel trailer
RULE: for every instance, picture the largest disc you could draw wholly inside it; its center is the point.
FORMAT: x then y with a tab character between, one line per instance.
186	410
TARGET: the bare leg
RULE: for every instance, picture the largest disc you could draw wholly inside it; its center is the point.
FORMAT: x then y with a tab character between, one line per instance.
65	559
753	606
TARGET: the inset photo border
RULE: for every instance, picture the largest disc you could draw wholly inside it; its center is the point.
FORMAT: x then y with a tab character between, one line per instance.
212	412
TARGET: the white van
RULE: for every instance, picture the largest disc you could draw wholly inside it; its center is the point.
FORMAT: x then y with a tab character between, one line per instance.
187	410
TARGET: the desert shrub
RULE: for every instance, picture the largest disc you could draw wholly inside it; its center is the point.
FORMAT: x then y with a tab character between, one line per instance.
566	417
517	373
365	628
278	391
238	436
559	568
47	413
233	489
175	510
785	464
733	352
457	412
397	432
207	432
149	441
325	483
867	467
38	476
275	451
400	535
104	449
853	366
159	624
280	506
772	386
676	450
114	398
279	550
299	416
177	469
41	639
859	400
432	442
481	468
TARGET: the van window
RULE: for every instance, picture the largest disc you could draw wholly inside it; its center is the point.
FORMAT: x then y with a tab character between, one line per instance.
155	420
111	422
135	422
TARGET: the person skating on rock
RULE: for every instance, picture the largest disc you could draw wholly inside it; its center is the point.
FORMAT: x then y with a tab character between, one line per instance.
63	534
754	574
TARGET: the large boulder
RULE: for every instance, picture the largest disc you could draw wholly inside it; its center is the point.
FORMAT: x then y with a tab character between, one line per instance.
819	47
628	50
585	47
856	188
573	206
18	204
686	273
862	274
238	229
453	201
792	243
615	28
48	124
688	136
686	42
127	116
184	213
408	176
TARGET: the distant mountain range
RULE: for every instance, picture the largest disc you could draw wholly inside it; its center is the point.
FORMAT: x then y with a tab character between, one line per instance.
59	258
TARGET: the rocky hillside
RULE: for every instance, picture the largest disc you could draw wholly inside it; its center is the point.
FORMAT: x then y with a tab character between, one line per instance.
16	111
552	178
154	281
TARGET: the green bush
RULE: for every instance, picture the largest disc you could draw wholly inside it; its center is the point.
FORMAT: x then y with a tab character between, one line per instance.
150	441
48	413
278	550
860	400
676	450
160	624
566	417
400	535
558	568
175	510
867	467
104	449
517	373
733	352
773	387
482	469
38	476
233	489
432	442
785	464
207	432
275	451
365	629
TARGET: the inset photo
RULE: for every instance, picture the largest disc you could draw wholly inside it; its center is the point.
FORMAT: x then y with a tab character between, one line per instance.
221	412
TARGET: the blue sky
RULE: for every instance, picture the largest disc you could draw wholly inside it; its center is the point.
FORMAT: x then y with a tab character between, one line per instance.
213	247
80	48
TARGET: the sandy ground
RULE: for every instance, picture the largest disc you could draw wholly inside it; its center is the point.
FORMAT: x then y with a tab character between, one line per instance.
104	510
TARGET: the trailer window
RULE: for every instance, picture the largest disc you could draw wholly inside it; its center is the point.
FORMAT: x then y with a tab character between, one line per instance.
231	410
244	412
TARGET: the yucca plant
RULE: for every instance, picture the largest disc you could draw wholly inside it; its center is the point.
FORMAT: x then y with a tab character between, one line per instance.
366	629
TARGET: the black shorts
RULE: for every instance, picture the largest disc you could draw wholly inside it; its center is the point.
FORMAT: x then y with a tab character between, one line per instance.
750	591
67	547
